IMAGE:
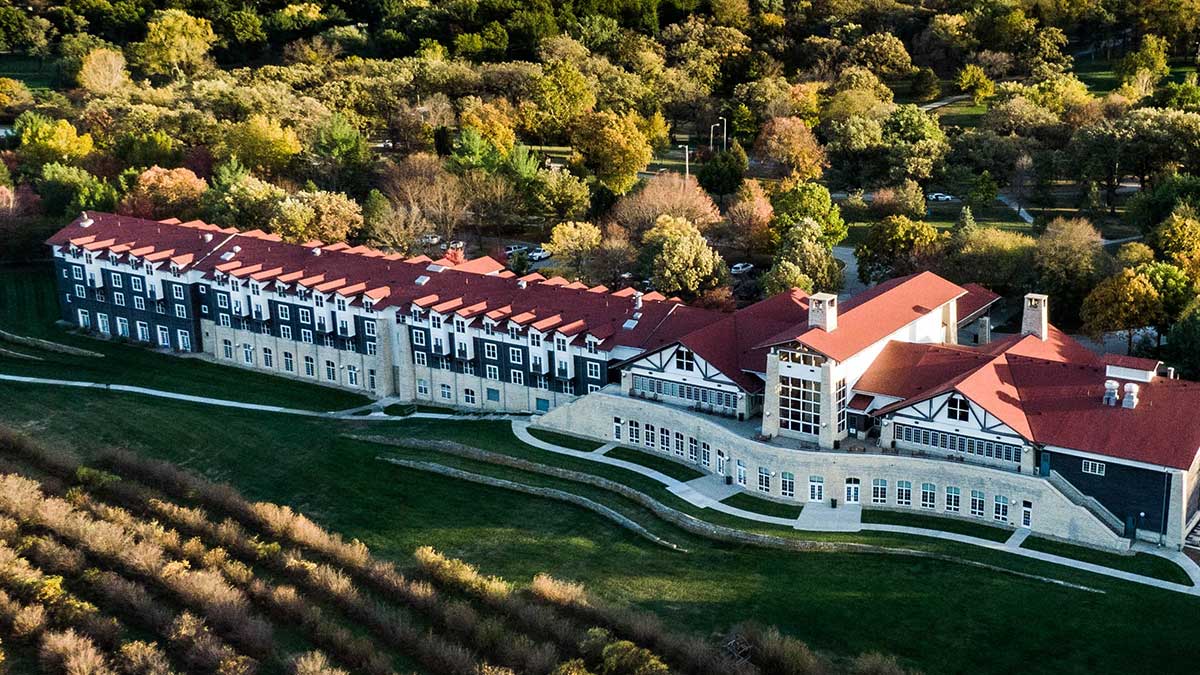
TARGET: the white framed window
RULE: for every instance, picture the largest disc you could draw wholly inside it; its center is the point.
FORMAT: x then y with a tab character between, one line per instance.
268	357
341	304
435	321
516	377
419	339
223	319
352	376
685	360
369	328
679	443
80	291
306	336
705	454
1000	512
447	392
371	378
928	496
117	281
422	387
649	436
222	301
489	351
516	356
1093	468
310	366
879	491
764	479
319	300
460	325
136	284
289	365
787	484
119	298
227	349
593	370
371	348
122	326
492	372
591	388
331	371
139	303
560	343
977	503
421	358
693	449
741	473
77	272
469	396
958	409
514	332
177	291
283	312
143	331
953	497
248	353
904	493
535	339
635	432
305	315
185	340
181	311
285	332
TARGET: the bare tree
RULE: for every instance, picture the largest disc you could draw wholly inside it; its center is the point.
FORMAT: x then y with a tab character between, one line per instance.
667	194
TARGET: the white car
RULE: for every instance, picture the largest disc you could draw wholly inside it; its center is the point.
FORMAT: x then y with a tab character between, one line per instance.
741	268
515	248
539	253
456	245
430	239
939	197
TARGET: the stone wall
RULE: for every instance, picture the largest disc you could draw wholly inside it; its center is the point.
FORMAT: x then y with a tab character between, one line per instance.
1054	515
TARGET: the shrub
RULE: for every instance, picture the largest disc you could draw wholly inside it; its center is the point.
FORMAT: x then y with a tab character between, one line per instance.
142	658
558	592
73	654
875	664
625	658
774	652
129	597
53	555
28	621
314	663
460	574
201	650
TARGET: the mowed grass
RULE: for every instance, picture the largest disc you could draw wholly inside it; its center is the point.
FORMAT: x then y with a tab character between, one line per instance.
951	613
570	442
767	507
28	307
955	525
1100	75
943	215
662	465
34	72
1138	563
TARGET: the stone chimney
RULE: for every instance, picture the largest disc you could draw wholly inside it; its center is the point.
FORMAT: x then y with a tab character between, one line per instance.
1131	396
822	311
1035	319
984	336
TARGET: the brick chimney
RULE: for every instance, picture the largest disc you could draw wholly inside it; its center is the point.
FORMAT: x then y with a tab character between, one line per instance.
1035	319
822	311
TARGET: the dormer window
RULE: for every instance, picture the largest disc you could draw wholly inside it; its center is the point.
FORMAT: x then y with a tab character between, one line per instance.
112	258
685	360
320	300
233	284
280	291
435	321
958	409
368	306
254	289
416	314
591	346
489	328
460	326
175	270
341	304
514	332
535	339
88	257
560	343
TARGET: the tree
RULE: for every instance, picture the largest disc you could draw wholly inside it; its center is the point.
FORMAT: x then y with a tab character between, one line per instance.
235	197
808	201
783	276
680	259
1178	240
44	140
723	174
790	142
176	44
906	199
165	193
611	262
895	247
559	97
984	191
612	148
1133	254
883	54
926	85
1069	261
103	73
1124	302
972	80
262	143
670	194
339	154
810	257
750	218
561	195
319	215
1174	287
573	244
1183	342
999	259
493	121
14	95
69	189
1150	57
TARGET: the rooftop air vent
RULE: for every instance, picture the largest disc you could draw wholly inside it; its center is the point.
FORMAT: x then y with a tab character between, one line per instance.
1131	396
228	255
521	283
237	249
422	280
316	250
85	219
637	300
208	237
629	324
1111	387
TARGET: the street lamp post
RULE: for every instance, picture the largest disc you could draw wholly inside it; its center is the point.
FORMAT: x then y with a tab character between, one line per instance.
724	134
710	135
686	165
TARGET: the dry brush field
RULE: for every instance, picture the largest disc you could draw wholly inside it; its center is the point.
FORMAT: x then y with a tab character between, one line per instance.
134	566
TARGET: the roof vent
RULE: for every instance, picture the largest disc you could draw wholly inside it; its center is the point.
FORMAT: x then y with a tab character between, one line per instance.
237	249
316	250
208	237
521	283
637	300
1111	387
629	324
421	280
85	219
228	255
1131	396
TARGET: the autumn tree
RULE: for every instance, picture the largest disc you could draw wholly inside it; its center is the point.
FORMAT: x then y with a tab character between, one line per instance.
783	276
1001	260
559	98
262	143
1183	342
1069	261
561	195
1124	302
802	249
325	216
14	95
176	44
44	140
165	193
972	80
69	189
610	147
679	259
573	244
103	73
750	218
1178	240
669	194
790	142
613	259
896	246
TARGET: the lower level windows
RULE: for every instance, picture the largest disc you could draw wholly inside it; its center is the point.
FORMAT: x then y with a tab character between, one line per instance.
904	493
268	357
928	495
800	405
764	479
787	484
352	376
741	473
288	364
469	396
310	366
649	436
953	495
879	491
1000	512
977	503
635	432
227	348
422	387
331	371
447	392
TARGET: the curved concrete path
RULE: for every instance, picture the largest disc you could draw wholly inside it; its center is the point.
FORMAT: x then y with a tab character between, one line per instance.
689	493
685	490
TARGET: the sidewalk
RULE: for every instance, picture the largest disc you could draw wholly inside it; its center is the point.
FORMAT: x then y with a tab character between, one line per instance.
694	492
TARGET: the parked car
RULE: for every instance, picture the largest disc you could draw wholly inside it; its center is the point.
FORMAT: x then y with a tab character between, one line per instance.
430	239
741	268
456	245
539	253
515	248
939	197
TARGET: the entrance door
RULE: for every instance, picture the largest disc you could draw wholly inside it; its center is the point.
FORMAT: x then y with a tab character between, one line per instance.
852	490
816	489
103	321
721	462
1027	514
164	337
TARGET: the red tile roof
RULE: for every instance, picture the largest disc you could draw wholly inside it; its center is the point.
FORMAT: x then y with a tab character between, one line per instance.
873	314
977	300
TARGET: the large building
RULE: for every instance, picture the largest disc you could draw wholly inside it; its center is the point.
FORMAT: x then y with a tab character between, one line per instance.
871	401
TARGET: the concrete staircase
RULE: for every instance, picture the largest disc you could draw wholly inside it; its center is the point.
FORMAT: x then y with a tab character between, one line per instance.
1090	503
1193	539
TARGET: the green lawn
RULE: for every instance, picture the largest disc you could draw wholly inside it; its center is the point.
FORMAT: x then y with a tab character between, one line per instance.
662	465
1138	563
28	306
572	442
962	113
34	72
943	215
307	464
1100	77
748	502
956	525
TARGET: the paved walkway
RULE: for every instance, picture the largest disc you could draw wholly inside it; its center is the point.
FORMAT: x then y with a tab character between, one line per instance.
1017	538
701	493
